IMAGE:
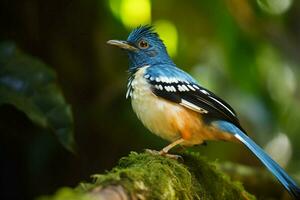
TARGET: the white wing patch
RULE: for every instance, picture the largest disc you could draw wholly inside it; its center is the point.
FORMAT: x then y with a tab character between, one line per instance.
179	85
164	79
192	106
204	91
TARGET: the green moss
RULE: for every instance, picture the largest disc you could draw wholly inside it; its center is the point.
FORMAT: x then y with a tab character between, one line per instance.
211	183
66	194
148	176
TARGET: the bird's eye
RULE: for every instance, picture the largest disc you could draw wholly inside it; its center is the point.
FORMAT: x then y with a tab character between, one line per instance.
143	44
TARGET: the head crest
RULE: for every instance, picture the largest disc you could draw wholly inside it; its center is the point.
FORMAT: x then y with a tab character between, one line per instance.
142	31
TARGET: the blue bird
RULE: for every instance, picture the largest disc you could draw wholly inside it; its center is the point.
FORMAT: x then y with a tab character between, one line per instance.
174	106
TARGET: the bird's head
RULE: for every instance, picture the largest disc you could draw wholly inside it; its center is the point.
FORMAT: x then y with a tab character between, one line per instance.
144	47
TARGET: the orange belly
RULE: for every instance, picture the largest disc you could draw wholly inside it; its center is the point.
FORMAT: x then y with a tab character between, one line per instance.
193	129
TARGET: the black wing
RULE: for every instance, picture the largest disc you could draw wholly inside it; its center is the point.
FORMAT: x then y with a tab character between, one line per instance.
195	97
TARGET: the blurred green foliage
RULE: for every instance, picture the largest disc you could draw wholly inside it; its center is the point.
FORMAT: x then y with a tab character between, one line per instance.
245	51
29	85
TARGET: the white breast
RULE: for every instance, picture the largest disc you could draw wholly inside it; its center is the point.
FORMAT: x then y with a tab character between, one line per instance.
155	113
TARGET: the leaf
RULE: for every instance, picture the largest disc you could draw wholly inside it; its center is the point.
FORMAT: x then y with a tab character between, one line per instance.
30	86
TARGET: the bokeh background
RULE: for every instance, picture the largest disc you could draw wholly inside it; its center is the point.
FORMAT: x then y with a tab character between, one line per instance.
246	51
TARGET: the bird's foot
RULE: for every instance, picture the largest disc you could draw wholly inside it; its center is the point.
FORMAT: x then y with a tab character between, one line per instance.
165	154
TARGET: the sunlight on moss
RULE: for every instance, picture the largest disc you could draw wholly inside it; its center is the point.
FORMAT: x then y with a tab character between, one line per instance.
135	12
168	34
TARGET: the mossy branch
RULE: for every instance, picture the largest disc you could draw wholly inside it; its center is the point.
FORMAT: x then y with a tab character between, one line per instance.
147	176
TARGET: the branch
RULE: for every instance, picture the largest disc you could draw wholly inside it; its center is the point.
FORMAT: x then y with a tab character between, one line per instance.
146	176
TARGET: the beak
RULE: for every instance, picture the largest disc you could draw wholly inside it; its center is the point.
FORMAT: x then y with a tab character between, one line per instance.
122	44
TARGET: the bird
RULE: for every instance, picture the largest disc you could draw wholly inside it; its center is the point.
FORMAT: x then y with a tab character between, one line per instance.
173	105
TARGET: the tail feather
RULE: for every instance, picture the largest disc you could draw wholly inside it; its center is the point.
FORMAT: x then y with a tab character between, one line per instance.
296	193
271	165
274	168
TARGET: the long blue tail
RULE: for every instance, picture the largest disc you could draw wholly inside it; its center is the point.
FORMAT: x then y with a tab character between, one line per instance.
271	165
